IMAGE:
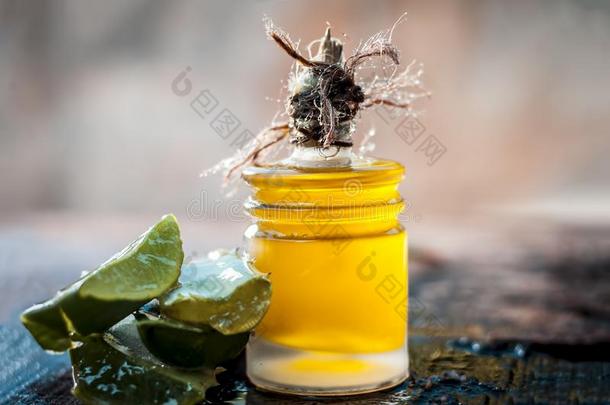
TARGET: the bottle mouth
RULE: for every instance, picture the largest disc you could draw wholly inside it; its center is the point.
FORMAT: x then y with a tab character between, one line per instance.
316	156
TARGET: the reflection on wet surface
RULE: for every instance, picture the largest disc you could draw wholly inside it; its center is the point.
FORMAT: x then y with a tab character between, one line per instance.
442	371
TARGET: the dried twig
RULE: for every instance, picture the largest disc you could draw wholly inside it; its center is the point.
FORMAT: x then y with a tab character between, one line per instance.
283	131
283	40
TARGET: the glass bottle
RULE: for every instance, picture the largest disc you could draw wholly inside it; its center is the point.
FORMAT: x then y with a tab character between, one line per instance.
327	232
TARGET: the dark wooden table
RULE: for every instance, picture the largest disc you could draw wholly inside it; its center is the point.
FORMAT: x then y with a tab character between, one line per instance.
502	312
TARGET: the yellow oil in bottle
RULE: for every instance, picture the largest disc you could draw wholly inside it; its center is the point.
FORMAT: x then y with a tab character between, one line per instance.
336	253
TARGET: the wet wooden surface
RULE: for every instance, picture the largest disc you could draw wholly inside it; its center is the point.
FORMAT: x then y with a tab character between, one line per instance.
531	305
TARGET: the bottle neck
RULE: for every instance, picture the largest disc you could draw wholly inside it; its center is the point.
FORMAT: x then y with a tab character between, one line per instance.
360	199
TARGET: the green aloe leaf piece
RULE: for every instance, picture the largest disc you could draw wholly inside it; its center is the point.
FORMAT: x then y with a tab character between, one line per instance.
183	345
145	269
222	291
118	369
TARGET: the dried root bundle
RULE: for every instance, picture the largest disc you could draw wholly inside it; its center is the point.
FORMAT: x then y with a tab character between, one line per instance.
326	98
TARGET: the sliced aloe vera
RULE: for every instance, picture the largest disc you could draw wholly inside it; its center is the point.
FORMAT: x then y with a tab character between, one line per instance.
222	291
145	269
118	369
183	345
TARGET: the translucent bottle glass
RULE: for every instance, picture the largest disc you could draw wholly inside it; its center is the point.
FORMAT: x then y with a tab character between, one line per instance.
336	253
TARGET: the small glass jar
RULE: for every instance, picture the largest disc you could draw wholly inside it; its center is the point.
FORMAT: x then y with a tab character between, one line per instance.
336	253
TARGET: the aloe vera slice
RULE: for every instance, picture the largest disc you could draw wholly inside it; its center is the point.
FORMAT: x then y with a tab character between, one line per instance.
178	344
222	291
145	269
118	369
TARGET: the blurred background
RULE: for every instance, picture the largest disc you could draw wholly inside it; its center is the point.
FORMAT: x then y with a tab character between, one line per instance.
96	144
